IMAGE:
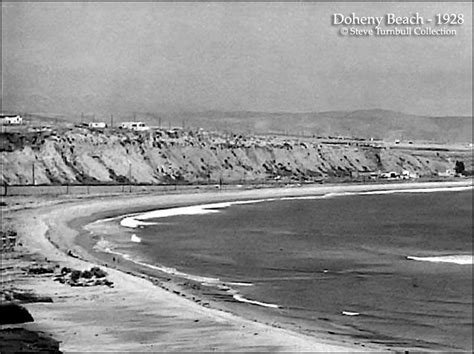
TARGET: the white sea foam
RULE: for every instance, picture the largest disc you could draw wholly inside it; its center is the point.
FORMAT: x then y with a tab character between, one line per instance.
239	284
306	197
175	272
105	247
135	220
102	245
400	190
240	298
421	190
135	239
461	259
133	223
349	313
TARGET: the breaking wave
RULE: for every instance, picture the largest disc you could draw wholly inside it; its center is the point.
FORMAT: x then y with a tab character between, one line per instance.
240	298
422	190
136	220
139	220
461	259
135	239
106	246
396	191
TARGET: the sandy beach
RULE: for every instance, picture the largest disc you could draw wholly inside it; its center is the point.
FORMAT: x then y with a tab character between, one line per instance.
136	314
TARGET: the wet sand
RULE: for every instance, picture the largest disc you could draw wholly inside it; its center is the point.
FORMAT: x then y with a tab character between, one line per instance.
136	314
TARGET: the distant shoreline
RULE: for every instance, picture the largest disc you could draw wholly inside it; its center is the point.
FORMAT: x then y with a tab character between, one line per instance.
63	223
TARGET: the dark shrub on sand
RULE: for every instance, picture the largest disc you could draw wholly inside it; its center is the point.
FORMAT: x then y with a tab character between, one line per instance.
108	282
16	340
98	273
31	297
75	275
86	274
65	270
41	270
11	313
459	168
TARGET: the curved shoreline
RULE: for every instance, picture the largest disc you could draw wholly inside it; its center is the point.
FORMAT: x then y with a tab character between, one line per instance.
59	224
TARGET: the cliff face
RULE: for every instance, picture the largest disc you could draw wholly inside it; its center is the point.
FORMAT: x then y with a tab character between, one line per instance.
83	156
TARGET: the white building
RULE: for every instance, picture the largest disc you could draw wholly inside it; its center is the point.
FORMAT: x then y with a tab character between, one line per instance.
97	125
447	173
7	119
137	126
409	174
390	175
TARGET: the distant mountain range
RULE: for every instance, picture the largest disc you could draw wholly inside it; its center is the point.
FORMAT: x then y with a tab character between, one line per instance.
375	123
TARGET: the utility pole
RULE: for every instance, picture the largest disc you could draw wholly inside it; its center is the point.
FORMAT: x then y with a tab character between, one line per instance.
130	176
111	120
33	173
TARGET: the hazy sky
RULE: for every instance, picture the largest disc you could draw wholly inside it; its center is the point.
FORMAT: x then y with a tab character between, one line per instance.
150	57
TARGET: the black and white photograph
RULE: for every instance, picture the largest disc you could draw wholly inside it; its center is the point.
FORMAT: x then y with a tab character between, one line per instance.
236	176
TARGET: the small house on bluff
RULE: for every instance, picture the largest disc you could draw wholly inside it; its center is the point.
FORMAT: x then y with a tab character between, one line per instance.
10	119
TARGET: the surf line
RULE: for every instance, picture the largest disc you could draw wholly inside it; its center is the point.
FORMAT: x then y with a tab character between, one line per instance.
136	220
104	246
240	298
206	281
460	259
139	219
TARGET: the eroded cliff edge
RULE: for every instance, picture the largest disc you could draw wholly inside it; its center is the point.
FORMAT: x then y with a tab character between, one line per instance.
186	156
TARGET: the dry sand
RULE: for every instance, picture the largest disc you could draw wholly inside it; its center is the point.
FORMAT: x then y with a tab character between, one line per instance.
136	315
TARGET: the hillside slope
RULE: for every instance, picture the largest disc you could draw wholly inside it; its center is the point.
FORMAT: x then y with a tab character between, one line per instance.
115	156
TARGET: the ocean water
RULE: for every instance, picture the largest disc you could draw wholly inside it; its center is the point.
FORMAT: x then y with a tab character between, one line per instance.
391	268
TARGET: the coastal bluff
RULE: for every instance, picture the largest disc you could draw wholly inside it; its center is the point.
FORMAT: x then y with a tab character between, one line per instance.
111	156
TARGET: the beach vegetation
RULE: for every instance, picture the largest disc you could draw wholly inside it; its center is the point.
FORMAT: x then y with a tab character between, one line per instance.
459	168
75	275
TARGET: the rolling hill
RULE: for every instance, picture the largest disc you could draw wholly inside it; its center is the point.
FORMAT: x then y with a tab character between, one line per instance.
376	123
